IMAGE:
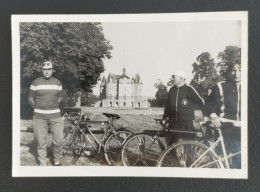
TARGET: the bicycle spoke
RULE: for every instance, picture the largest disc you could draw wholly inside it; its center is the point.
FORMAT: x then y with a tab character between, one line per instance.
113	147
181	157
132	158
189	154
140	144
145	151
72	146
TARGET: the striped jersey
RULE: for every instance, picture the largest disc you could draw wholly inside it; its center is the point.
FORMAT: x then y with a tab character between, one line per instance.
225	101
46	93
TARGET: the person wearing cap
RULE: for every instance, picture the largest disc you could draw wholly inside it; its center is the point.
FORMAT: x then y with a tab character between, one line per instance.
44	97
224	102
179	108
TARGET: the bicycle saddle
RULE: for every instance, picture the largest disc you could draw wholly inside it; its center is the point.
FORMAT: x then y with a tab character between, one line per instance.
111	115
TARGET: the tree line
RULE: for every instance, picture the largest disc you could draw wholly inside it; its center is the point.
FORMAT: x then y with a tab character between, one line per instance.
206	73
77	51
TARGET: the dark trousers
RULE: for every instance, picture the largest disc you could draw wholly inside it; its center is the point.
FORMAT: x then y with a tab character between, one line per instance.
173	137
232	141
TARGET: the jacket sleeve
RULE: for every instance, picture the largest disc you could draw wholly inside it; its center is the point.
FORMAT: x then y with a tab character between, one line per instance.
197	99
213	102
167	105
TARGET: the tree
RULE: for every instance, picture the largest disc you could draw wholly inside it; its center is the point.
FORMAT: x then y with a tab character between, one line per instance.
76	49
228	58
88	99
205	74
160	96
170	82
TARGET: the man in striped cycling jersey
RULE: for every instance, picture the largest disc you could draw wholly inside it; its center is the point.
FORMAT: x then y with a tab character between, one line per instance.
224	101
179	108
44	98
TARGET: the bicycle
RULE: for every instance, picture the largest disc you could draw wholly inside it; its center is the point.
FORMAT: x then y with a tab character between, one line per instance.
67	112
80	139
194	154
143	149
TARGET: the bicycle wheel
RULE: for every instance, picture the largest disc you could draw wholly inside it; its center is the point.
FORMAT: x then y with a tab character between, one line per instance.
113	146
72	146
141	150
189	154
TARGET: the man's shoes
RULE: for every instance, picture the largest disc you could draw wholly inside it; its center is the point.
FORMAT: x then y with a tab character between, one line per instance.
88	153
57	164
43	164
43	161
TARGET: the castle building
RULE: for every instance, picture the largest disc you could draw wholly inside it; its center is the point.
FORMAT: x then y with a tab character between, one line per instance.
122	91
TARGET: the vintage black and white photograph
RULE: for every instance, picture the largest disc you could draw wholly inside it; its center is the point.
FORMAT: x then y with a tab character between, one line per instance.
161	95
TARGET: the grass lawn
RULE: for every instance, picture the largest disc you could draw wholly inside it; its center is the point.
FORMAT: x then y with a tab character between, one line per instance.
136	119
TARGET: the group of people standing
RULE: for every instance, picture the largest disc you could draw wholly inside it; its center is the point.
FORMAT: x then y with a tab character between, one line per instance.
224	101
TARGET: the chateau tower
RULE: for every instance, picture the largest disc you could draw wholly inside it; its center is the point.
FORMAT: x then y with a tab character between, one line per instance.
122	91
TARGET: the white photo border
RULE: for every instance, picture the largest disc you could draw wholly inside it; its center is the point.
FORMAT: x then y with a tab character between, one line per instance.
98	171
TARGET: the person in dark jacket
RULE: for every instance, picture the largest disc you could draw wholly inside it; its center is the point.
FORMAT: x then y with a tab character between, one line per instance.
179	107
225	102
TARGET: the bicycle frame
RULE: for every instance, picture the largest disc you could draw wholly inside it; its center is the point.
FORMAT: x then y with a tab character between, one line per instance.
110	129
224	159
67	113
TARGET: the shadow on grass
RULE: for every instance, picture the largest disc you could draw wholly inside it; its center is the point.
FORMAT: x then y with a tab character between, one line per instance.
33	151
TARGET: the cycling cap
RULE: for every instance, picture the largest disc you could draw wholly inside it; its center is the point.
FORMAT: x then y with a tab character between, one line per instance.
47	65
180	74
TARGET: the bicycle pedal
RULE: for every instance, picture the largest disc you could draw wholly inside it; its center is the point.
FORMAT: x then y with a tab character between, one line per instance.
88	153
230	160
182	163
210	143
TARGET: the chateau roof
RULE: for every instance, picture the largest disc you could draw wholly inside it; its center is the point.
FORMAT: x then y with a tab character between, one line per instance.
117	76
122	76
103	82
114	78
137	78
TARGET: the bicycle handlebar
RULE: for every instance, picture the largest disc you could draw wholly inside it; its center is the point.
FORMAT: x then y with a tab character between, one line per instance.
163	122
223	120
234	122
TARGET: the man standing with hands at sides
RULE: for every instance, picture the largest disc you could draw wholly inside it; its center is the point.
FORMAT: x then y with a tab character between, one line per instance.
179	108
44	98
225	102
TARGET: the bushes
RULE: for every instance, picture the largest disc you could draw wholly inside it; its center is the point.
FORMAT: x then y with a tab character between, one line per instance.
88	99
69	99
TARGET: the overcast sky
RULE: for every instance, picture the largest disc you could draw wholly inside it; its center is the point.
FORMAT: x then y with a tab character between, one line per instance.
156	49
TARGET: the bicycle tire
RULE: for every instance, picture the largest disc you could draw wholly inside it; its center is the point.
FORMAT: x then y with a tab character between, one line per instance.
187	154
73	146
113	147
141	150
